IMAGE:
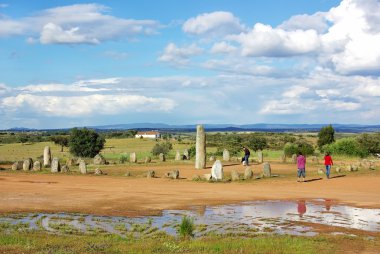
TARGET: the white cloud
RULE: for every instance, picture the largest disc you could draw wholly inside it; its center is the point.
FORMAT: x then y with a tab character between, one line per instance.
54	34
295	91
316	22
217	23
222	48
75	106
79	23
179	56
263	40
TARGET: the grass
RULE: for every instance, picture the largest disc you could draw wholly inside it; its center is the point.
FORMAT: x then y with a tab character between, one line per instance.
38	242
186	227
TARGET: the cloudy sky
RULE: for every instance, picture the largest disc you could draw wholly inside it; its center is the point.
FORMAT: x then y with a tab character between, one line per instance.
71	63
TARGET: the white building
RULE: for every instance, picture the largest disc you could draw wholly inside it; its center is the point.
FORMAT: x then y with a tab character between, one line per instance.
148	134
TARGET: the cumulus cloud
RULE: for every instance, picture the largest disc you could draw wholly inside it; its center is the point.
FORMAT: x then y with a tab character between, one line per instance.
223	48
217	23
317	21
79	23
179	56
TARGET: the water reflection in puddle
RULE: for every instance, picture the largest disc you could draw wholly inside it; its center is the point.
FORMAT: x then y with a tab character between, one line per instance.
248	218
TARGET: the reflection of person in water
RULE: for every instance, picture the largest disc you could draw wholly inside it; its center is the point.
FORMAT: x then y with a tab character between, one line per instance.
327	204
301	207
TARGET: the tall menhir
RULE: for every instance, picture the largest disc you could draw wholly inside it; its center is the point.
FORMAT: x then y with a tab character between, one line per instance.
200	148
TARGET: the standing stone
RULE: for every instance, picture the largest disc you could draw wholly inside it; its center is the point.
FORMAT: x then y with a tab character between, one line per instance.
37	166
47	156
267	172
226	155
98	171
212	158
162	157
338	169
99	160
55	166
133	158
235	175
147	159
70	162
260	156
217	170
248	173
17	165
65	169
151	174
200	148
82	167
321	172
172	174
177	156
27	164
283	158
349	168
186	154
294	158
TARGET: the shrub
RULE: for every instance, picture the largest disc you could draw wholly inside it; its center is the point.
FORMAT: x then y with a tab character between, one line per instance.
326	136
192	151
369	142
186	227
123	158
85	142
346	146
162	148
257	143
300	146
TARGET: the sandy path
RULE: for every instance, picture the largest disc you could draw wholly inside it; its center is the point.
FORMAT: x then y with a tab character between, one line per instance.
111	195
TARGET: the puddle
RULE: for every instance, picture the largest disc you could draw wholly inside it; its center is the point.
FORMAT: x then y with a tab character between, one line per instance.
248	218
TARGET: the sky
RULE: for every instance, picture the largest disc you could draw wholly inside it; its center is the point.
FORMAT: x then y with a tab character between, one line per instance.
70	63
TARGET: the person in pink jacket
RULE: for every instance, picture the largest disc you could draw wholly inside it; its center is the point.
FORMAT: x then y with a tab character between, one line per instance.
301	162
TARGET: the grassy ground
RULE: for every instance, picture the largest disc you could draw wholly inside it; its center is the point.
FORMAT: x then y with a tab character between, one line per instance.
38	242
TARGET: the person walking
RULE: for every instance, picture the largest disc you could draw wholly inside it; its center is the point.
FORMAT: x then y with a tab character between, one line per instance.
328	163
247	153
301	163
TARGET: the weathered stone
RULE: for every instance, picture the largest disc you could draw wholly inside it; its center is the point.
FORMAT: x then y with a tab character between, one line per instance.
207	177
17	165
37	166
151	174
99	160
65	169
82	167
128	174
212	158
98	171
55	165
162	157
321	172
349	168
314	159
338	169
283	158
235	175
200	148
172	174
294	158
71	162
355	167
147	159
186	154
248	173
260	156
217	170
133	158
177	156
226	155
267	172
47	156
27	164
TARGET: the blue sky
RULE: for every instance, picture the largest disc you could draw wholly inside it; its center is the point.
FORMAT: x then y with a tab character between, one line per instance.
76	63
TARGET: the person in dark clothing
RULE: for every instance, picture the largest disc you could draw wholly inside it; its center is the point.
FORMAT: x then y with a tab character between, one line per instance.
247	153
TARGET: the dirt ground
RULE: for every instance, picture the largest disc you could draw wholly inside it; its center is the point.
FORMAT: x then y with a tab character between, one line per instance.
137	195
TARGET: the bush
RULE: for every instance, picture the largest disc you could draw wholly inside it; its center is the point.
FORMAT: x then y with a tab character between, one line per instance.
123	158
162	148
300	146
326	136
85	142
192	151
186	227
346	146
369	142
257	143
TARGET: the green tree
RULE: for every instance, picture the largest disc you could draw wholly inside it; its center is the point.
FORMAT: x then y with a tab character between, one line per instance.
326	136
85	142
369	142
299	146
62	141
257	143
164	148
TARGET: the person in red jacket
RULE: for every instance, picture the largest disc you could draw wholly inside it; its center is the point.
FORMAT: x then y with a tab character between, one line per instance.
328	164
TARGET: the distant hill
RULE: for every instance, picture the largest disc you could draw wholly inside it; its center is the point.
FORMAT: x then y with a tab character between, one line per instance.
263	127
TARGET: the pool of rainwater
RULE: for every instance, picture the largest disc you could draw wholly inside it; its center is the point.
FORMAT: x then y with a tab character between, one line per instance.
247	218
